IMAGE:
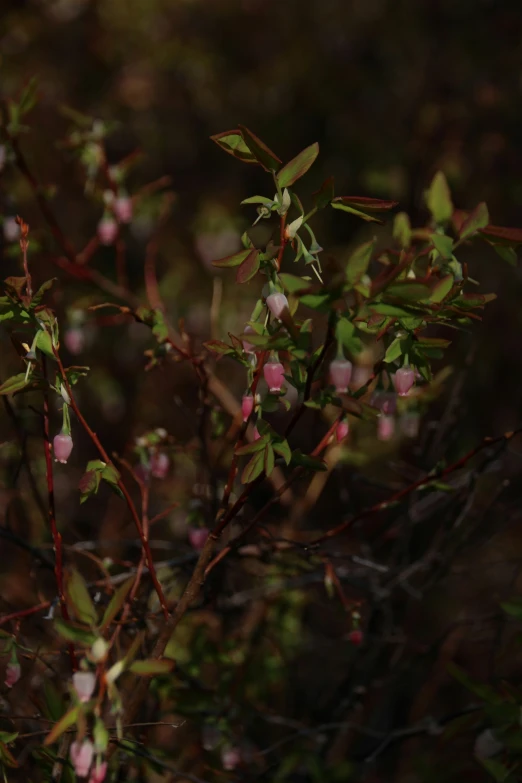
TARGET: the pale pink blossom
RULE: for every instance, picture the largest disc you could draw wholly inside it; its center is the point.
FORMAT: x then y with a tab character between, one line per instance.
198	537
385	427
247	406
159	465
342	430
230	758
98	772
274	374
107	230
62	447
12	674
403	380
81	754
123	209
74	340
277	304
340	374
84	684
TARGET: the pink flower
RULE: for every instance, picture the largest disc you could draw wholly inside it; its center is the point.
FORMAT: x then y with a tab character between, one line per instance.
107	230
340	374
342	430
385	427
98	772
277	304
123	209
356	637
247	406
248	347
230	758
198	537
84	684
11	229
81	756
159	465
62	447
74	340
403	380
12	674
384	401
274	374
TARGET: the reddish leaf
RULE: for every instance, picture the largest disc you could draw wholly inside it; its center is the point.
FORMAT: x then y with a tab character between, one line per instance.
325	194
504	236
248	268
298	166
234	260
261	152
233	143
363	202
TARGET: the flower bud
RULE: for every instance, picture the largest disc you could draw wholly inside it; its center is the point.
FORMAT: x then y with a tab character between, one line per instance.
98	772
385	427
277	304
107	231
342	430
247	406
12	674
403	380
123	209
356	637
74	340
340	374
198	537
159	465
248	347
274	374
81	754
230	758
99	650
62	447
84	684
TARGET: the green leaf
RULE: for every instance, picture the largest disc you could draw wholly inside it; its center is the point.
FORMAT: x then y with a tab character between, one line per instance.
402	229
78	597
443	244
14	384
218	346
252	448
37	298
254	468
68	720
304	461
28	97
267	202
478	219
8	737
383	308
269	459
505	253
393	351
233	143
261	152
337	204
74	634
438	199
298	166
44	343
89	484
442	289
496	769
151	667
234	260
293	283
409	289
358	262
283	449
75	373
249	267
325	194
513	608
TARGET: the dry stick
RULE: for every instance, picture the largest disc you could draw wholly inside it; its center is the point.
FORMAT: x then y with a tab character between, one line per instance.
105	457
55	533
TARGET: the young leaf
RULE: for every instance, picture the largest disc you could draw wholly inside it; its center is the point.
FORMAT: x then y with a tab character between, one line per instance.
116	603
298	166
370	204
249	267
233	143
152	667
78	597
283	449
438	199
325	194
44	343
234	260
478	219
304	461
358	262
442	289
443	244
337	204
89	484
218	346
38	296
269	459
261	152
14	384
71	633
294	284
402	229
68	720
254	468
503	236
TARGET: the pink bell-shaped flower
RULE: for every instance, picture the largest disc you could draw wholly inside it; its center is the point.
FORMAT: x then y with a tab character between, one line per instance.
74	340
248	347
159	464
342	430
277	304
340	374
274	374
98	772
198	537
403	380
247	406
84	684
81	754
385	427
12	674
107	230
62	447
123	209
230	758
